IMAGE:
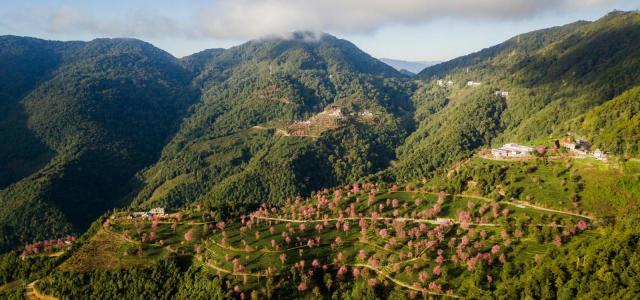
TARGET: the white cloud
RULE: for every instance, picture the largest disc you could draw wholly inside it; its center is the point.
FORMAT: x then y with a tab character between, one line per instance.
251	18
241	19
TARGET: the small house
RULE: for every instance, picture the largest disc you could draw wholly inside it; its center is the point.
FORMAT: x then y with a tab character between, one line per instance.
503	94
473	83
337	113
568	145
599	155
139	214
157	211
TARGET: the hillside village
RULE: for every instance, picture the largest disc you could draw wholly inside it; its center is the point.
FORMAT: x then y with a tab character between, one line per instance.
578	148
329	119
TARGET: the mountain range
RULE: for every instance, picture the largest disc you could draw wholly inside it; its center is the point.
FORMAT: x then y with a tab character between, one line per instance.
412	67
92	126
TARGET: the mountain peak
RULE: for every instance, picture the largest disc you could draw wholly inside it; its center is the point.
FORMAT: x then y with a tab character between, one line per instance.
307	36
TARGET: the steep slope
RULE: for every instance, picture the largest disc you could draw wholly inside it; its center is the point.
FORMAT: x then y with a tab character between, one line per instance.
281	117
552	78
23	64
90	116
615	125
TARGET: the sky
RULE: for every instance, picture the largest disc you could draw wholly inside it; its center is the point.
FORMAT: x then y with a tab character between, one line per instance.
418	30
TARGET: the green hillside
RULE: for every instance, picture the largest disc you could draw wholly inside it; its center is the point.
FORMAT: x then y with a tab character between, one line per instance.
495	229
85	117
371	235
613	126
239	145
554	78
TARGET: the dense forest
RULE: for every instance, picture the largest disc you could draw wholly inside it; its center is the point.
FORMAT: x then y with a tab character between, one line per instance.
83	118
220	153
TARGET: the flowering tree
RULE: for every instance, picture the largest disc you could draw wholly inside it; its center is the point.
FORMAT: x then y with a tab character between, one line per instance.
188	236
437	270
557	241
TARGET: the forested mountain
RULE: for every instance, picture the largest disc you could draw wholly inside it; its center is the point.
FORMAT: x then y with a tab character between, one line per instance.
85	117
553	78
78	121
280	117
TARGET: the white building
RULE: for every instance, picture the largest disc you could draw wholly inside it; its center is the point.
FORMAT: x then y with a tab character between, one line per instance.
473	83
157	211
599	155
512	150
440	82
139	214
570	146
499	152
366	114
337	113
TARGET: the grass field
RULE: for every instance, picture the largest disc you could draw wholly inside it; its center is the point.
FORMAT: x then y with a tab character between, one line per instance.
581	185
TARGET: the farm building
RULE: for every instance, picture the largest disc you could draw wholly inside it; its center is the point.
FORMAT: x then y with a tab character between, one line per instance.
139	214
157	211
511	150
598	154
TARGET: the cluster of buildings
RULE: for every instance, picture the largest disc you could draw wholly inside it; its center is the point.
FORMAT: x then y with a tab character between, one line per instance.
365	114
441	82
335	113
581	148
158	211
446	83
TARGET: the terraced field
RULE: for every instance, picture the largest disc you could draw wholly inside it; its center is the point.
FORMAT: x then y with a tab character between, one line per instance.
422	242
